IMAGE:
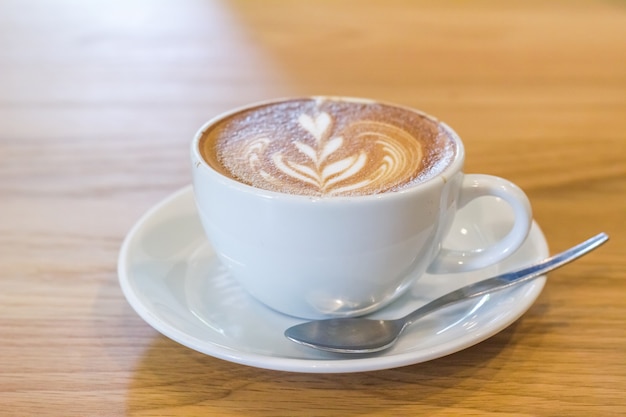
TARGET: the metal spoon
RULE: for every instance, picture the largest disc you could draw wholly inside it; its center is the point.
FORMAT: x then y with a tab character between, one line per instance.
362	335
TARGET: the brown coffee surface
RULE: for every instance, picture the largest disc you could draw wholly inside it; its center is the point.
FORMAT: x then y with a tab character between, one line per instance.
328	147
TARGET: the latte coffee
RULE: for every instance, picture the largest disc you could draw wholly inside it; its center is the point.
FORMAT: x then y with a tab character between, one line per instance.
328	147
364	194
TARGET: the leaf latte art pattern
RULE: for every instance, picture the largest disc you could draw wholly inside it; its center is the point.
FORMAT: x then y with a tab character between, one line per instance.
366	156
327	147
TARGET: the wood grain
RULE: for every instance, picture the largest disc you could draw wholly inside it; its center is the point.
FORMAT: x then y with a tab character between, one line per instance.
99	100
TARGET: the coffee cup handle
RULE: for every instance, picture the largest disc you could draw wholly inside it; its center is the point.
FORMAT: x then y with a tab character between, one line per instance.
479	185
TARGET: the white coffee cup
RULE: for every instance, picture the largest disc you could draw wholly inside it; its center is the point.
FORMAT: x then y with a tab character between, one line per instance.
339	256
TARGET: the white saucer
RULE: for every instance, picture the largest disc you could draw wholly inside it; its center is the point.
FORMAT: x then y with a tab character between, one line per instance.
171	277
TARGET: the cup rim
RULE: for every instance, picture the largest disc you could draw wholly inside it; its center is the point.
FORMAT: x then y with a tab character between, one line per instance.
454	167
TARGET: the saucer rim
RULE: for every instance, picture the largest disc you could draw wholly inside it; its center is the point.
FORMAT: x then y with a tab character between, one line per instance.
380	361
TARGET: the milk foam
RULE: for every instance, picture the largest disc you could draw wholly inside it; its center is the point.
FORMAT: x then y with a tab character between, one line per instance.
327	148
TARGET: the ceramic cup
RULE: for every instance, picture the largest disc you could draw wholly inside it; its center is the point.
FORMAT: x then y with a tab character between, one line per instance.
340	256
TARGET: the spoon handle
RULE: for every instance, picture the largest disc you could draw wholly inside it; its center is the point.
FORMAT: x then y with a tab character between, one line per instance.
508	279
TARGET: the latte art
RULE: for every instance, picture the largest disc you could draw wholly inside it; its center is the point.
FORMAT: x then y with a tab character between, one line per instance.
324	147
330	165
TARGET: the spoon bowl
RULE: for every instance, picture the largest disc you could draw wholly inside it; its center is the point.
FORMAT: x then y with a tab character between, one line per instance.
363	335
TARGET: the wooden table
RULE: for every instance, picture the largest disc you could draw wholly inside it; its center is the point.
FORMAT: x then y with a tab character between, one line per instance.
99	101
